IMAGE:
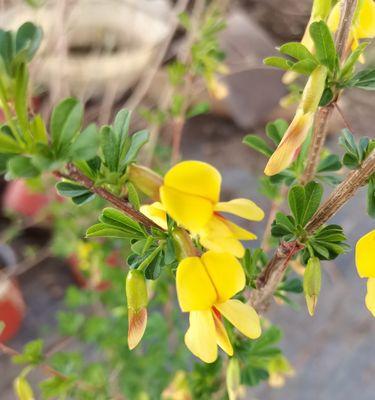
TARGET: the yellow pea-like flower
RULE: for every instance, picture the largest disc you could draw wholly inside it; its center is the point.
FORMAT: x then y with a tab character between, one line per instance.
363	22
365	261
205	287
190	194
219	234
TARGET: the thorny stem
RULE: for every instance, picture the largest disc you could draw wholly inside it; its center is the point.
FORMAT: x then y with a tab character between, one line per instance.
75	175
324	113
272	275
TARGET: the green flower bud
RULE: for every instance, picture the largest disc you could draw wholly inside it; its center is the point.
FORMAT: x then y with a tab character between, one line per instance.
312	281
145	180
233	379
137	299
23	389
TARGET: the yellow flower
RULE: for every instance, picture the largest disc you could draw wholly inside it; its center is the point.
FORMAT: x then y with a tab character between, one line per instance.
190	195
218	234
205	286
299	128
363	22
365	261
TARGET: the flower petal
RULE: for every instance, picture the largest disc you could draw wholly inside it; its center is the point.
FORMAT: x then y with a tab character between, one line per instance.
225	272
223	244
195	290
244	208
190	211
156	212
242	316
291	142
365	24
222	338
200	338
370	297
196	178
334	17
137	322
365	255
239	232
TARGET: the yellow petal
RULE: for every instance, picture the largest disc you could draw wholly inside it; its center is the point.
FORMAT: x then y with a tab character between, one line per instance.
222	338
365	23
200	338
240	233
156	212
223	244
334	17
244	208
370	297
242	316
195	290
225	272
190	211
291	142
196	178
365	255
137	322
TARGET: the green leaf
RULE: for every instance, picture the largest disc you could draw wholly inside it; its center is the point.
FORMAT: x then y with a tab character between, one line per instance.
28	37
22	167
119	219
110	147
258	144
313	197
38	130
21	83
121	128
297	50
278	62
291	285
275	130
347	68
364	79
56	387
329	163
305	67
32	353
86	144
104	230
7	50
296	200
133	195
198	109
69	189
326	98
138	139
7	143
371	197
83	198
66	121
324	45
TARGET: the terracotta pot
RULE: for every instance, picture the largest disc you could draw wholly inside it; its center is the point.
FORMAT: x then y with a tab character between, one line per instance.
12	305
19	198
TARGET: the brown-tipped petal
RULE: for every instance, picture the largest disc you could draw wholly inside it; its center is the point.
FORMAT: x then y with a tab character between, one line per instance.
291	142
311	302
137	326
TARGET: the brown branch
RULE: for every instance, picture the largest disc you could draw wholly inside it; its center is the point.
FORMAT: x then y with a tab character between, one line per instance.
75	175
272	275
323	114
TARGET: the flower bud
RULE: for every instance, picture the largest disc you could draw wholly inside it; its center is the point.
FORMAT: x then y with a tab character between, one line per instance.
145	180
23	389
313	90
233	379
178	389
312	280
136	295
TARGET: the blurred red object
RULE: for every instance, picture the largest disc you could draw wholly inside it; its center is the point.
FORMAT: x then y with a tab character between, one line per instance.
113	260
19	198
12	308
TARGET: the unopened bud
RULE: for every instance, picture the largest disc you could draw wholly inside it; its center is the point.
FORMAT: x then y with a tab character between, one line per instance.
178	389
313	90
312	281
136	295
145	180
23	389
321	9
233	379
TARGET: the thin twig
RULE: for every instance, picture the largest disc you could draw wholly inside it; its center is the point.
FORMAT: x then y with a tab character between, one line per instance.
75	175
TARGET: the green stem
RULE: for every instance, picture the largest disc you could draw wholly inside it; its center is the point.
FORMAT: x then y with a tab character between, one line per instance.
8	113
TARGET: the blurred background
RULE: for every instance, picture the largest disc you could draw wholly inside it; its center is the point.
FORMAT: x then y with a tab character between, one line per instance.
115	53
